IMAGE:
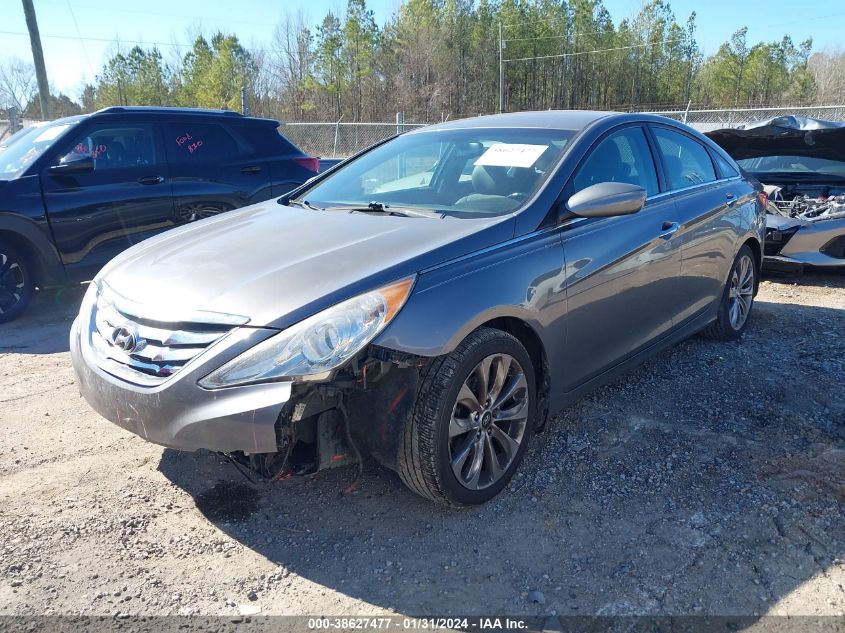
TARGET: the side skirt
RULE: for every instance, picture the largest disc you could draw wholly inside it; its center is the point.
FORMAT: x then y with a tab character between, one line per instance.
684	331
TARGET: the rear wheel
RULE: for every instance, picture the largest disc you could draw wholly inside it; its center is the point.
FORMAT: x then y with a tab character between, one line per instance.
472	421
16	284
737	299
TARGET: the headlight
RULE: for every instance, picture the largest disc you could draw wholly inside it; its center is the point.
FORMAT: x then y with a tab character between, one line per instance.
88	301
317	345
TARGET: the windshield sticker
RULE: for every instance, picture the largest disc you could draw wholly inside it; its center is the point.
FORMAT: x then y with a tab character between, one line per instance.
511	155
50	133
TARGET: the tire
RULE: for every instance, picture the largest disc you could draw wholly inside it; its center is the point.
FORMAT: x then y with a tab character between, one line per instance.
738	295
443	431
16	283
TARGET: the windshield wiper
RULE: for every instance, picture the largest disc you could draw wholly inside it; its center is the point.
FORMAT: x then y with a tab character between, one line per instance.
304	204
380	207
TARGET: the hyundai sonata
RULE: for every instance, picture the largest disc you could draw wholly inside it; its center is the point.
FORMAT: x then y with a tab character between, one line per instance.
429	302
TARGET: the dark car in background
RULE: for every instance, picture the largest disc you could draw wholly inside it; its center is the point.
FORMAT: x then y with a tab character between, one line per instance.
801	163
429	302
77	191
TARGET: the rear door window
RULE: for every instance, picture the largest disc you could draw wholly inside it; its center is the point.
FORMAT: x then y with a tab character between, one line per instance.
264	140
200	143
687	161
725	169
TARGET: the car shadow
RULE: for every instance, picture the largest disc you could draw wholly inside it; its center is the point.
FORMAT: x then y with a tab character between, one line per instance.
821	277
707	481
45	326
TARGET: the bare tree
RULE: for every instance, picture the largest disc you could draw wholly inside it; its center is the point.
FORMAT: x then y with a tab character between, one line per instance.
18	85
828	70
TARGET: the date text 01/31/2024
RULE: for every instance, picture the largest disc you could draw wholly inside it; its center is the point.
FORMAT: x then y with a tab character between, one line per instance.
410	623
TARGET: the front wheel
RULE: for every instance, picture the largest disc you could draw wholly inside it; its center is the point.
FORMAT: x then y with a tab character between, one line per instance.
16	284
737	299
472	421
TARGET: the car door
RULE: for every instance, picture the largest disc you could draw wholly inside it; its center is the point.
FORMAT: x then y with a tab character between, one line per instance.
704	204
94	215
621	272
212	170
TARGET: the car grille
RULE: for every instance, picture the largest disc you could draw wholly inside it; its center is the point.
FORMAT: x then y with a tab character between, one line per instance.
143	351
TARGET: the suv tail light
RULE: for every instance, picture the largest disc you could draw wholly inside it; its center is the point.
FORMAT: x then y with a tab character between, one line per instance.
763	197
311	164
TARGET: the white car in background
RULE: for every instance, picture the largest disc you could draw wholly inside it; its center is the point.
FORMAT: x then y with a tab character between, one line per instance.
801	164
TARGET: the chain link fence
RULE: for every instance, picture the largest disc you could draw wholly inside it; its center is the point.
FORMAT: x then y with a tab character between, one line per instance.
10	123
339	140
708	120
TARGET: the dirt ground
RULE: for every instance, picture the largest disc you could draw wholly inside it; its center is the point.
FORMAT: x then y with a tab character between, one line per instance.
711	480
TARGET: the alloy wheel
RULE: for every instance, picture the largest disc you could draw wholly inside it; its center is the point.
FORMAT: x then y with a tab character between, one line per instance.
12	283
195	212
741	292
488	421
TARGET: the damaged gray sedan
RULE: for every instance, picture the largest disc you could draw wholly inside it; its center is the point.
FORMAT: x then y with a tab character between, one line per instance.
801	163
429	302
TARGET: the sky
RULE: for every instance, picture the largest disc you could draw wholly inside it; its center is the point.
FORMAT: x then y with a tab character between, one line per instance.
78	35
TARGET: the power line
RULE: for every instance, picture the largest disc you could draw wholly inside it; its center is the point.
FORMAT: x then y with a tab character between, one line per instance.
554	37
601	50
560	17
123	41
79	35
159	14
552	19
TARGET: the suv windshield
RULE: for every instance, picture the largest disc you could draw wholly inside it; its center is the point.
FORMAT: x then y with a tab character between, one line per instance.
472	171
793	164
27	145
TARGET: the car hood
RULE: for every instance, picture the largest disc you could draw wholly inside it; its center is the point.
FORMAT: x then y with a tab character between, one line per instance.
786	135
275	265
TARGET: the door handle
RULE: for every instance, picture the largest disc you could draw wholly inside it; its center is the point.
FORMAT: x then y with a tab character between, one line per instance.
731	199
251	169
151	180
669	229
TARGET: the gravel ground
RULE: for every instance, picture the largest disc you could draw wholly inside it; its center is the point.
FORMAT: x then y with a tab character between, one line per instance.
709	481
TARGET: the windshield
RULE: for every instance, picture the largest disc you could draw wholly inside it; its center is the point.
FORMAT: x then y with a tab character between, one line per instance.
454	172
27	145
793	165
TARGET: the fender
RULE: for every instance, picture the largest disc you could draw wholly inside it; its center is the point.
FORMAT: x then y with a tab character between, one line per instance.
522	278
49	270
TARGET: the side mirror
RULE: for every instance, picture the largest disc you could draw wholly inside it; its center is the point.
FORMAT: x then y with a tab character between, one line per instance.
607	199
73	164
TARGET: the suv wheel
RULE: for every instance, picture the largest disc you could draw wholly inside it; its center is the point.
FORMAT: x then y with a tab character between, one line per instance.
472	421
16	284
737	299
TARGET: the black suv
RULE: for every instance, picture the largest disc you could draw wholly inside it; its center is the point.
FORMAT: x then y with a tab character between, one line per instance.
76	191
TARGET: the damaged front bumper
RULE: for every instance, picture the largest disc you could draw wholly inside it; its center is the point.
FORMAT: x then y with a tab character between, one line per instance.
180	414
791	241
273	428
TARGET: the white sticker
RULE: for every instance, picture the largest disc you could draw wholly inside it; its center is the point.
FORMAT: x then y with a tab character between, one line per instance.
511	155
50	133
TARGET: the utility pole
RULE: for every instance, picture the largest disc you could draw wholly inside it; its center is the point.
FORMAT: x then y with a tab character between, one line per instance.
244	102
37	58
501	71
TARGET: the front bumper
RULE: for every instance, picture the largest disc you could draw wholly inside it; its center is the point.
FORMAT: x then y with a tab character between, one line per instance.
809	243
180	414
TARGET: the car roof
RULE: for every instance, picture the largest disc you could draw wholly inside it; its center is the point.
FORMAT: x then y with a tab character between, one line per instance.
167	111
548	119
